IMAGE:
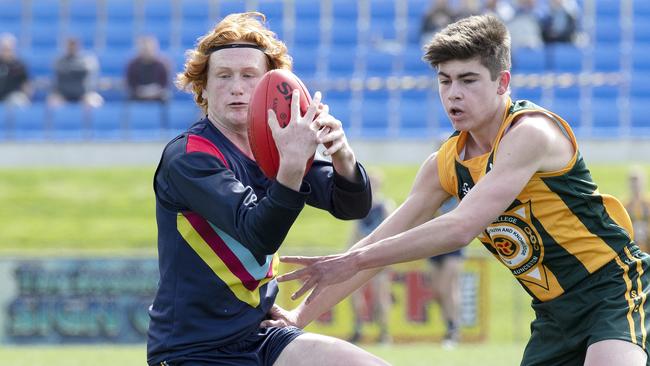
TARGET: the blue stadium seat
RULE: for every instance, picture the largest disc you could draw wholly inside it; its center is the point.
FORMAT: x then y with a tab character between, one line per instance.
642	31
231	6
640	119
344	33
341	61
382	29
640	86
527	60
641	10
120	11
568	109
5	123
305	60
608	30
82	11
182	115
640	58
374	117
533	94
337	95
146	120
607	58
567	92
44	36
108	122
384	9
381	95
194	11
158	11
345	9
45	11
307	10
341	109
120	34
306	33
191	32
12	10
273	10
378	63
113	62
565	58
605	117
69	122
30	123
414	118
607	8
605	91
41	63
413	63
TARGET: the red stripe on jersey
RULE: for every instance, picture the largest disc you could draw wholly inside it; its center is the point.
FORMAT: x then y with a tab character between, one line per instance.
221	249
201	144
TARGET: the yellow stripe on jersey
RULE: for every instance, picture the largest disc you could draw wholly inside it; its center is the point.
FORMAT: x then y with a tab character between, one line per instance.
568	231
217	266
628	298
640	293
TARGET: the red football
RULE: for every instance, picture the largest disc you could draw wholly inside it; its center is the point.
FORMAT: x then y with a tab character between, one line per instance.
272	92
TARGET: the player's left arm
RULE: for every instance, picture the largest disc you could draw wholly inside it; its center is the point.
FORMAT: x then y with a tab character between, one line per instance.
530	146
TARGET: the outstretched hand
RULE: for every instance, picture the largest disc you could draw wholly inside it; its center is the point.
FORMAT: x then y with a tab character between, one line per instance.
319	272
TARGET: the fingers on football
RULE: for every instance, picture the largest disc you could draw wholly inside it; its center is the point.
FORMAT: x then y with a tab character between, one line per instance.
295	106
330	135
313	107
273	122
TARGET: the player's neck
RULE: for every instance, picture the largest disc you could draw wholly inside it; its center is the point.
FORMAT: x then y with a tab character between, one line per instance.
239	137
482	138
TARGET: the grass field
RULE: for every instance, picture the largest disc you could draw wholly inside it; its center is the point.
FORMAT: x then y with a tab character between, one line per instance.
86	211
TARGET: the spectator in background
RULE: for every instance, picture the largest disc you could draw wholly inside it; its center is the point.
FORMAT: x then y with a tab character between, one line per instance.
499	8
379	286
525	29
559	24
75	77
638	207
445	279
147	75
14	80
439	15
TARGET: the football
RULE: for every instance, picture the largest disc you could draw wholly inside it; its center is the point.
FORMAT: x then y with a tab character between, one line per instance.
273	92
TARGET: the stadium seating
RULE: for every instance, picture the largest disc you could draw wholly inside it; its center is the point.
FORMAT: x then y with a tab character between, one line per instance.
30	123
329	40
69	122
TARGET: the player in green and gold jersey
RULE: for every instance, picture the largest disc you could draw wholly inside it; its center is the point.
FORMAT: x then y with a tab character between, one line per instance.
526	193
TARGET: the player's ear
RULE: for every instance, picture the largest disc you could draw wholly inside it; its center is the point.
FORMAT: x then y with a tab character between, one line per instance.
504	82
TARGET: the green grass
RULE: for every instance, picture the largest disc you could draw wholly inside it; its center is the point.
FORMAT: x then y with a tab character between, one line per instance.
398	355
83	211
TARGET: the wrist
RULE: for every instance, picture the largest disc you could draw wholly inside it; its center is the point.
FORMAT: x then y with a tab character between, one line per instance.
345	164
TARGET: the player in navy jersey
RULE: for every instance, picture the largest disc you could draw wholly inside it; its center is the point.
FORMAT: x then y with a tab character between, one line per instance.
221	221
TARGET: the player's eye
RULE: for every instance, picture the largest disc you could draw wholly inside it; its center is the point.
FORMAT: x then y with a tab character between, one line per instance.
443	81
469	81
223	76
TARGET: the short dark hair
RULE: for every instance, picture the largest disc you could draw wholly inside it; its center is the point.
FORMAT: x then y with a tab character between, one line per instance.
482	36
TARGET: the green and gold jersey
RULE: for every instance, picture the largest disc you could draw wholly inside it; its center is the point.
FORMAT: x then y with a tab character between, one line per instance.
558	230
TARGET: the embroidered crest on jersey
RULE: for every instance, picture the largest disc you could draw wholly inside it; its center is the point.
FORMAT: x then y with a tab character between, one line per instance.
514	240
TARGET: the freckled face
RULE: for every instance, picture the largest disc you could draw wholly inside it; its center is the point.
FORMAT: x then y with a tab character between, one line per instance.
233	73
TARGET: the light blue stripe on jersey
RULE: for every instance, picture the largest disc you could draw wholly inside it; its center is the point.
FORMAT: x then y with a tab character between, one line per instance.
245	256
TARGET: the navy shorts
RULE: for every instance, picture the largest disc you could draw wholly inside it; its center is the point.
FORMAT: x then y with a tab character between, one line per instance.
259	349
441	258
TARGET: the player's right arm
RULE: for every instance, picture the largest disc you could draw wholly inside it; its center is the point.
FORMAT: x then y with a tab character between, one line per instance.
201	182
423	201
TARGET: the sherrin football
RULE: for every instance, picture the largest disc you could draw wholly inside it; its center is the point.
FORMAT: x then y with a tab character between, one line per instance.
273	92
